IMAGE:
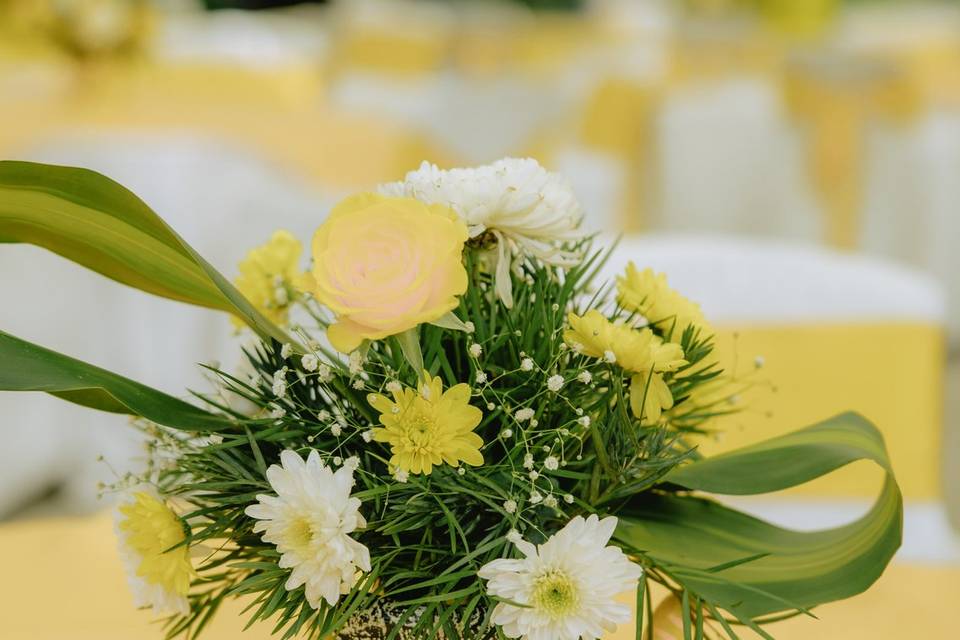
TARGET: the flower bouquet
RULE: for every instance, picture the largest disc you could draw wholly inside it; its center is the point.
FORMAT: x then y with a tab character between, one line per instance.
446	427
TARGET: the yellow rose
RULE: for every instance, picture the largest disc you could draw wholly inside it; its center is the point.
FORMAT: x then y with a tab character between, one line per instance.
384	265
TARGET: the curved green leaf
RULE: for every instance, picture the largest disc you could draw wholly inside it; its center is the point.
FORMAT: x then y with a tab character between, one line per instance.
29	367
691	536
93	221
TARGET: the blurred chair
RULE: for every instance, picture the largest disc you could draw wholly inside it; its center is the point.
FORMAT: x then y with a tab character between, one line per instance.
833	332
220	199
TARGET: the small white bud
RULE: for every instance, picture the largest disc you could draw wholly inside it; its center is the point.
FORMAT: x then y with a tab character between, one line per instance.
279	387
585	377
506	433
394	387
353	463
528	461
522	415
324	373
401	475
568	499
461	471
336	429
534	474
514	536
337	460
510	506
551	463
609	356
356	362
470	326
286	350
550	502
555	383
475	350
584	421
367	435
526	364
309	362
358	384
278	412
535	497
481	377
323	415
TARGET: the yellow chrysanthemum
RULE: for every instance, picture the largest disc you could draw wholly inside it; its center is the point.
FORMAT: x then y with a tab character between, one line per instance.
428	427
648	293
636	350
649	396
267	276
159	574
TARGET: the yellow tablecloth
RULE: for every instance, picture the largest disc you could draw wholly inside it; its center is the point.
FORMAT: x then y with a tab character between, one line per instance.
63	580
891	372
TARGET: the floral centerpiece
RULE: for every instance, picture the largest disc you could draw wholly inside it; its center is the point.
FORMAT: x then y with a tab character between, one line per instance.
446	426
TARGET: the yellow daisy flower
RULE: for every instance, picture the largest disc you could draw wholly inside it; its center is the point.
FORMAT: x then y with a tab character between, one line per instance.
649	396
634	350
639	351
268	274
648	293
429	426
159	575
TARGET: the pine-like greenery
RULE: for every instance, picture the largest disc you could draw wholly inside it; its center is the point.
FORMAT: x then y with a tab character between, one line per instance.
429	535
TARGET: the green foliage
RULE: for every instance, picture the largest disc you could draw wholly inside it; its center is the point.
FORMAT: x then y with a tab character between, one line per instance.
28	367
430	534
93	221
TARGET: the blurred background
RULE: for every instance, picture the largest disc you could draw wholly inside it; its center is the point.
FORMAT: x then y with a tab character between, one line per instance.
794	165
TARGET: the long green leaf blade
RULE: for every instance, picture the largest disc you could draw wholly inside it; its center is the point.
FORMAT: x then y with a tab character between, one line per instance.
93	221
29	367
690	535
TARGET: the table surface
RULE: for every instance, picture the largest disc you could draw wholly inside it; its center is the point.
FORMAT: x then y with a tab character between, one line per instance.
64	579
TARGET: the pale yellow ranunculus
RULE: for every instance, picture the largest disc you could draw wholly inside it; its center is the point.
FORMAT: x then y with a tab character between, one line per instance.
384	265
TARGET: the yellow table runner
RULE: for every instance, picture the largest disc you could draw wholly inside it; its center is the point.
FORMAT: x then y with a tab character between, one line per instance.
890	372
63	579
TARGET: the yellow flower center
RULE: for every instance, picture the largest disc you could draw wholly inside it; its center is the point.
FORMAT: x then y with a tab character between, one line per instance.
555	594
152	530
300	535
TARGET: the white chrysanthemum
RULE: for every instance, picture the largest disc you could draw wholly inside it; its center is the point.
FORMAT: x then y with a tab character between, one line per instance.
310	520
567	585
527	208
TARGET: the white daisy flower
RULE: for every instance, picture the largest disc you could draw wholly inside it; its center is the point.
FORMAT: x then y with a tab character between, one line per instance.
309	520
528	209
567	585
